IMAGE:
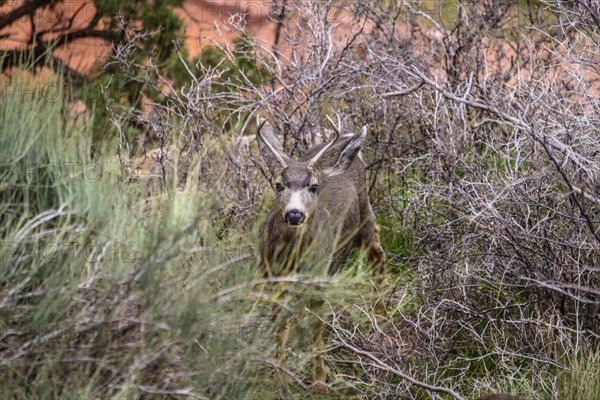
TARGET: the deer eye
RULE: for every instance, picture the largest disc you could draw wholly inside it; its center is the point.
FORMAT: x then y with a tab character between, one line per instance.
279	187
313	188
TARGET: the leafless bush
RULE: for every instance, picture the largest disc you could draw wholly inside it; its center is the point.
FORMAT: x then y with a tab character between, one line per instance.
484	159
499	197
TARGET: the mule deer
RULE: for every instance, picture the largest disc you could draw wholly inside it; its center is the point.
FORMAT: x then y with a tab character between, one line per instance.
320	212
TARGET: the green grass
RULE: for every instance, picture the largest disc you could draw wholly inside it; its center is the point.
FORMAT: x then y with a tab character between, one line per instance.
581	380
103	295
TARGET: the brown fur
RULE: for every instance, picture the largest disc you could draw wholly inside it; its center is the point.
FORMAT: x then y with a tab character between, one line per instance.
338	217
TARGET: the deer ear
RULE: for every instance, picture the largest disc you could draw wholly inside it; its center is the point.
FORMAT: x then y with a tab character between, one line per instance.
345	153
270	148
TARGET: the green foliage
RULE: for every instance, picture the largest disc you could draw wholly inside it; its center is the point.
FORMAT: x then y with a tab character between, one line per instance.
156	16
100	284
127	85
31	132
581	381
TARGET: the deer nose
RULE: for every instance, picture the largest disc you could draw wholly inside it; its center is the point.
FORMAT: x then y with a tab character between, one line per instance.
294	217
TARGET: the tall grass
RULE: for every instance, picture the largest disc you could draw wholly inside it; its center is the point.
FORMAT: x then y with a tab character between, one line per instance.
582	380
105	292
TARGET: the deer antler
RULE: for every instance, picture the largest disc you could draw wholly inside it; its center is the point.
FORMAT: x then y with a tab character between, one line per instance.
267	141
337	128
336	135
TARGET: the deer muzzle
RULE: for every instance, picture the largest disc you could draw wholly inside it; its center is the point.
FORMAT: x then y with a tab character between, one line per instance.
294	217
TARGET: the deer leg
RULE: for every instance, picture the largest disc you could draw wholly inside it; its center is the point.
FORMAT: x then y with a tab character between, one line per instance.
377	255
377	261
281	378
319	369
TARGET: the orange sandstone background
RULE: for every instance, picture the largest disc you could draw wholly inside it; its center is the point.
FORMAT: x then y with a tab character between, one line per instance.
200	20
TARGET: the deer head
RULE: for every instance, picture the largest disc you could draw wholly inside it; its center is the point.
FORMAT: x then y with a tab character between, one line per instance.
297	184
